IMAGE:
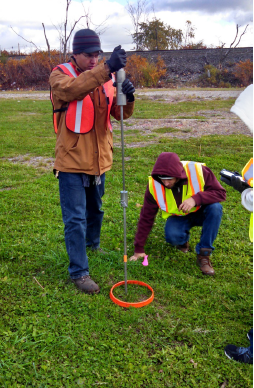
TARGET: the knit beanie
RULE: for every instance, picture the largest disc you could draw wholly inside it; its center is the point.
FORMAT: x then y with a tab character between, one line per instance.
86	41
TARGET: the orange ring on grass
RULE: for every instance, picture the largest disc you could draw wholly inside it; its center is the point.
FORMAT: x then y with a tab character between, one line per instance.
128	304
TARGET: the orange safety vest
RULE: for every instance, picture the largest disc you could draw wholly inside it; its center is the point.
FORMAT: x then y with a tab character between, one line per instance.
165	198
79	117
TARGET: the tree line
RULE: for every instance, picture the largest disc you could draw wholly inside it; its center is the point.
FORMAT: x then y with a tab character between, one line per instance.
33	72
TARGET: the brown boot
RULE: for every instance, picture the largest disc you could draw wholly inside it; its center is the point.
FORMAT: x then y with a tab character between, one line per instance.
203	261
86	284
184	248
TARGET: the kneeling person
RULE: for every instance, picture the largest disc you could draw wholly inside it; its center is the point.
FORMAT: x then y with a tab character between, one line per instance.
188	194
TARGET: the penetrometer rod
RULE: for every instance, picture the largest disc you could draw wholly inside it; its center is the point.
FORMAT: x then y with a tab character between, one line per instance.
121	101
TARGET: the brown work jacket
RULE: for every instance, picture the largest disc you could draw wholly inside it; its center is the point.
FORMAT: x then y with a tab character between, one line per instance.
92	152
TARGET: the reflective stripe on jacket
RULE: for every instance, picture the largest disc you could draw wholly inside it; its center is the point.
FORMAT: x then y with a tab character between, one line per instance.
247	174
165	198
80	114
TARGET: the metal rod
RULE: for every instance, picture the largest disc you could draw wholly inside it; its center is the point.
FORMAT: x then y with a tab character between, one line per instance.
122	140
121	100
124	204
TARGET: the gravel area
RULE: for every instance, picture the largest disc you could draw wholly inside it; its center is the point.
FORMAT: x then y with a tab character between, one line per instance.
169	95
25	95
186	95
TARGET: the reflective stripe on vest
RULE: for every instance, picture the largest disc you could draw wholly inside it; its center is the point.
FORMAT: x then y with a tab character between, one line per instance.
247	172
70	68
193	176
165	198
159	195
80	114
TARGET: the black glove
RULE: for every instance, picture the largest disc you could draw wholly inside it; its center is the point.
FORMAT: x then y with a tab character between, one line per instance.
128	89
238	184
117	60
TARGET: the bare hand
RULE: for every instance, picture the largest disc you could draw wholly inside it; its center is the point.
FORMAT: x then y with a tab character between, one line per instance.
137	256
187	205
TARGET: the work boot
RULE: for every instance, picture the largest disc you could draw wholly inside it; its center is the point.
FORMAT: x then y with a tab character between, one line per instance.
239	354
203	261
86	284
184	247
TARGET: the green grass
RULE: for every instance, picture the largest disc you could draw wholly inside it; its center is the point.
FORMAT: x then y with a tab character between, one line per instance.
54	336
193	117
166	130
156	110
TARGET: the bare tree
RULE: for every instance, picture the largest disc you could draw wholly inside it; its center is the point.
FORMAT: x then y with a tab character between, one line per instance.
99	28
137	11
24	38
65	30
233	45
188	33
47	42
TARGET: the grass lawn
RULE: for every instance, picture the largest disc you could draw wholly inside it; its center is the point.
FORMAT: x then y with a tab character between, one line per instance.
54	336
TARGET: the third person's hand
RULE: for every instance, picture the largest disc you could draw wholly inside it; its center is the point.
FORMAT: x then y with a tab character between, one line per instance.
137	256
187	205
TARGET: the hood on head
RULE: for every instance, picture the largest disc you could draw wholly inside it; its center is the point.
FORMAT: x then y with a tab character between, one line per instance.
168	164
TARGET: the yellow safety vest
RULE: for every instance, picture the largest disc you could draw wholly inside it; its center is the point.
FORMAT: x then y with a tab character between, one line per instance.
165	198
247	174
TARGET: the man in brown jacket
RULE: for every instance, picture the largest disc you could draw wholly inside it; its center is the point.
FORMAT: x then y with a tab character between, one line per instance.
83	98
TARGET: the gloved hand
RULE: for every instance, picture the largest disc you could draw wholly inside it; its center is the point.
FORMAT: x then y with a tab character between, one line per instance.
128	89
117	60
238	184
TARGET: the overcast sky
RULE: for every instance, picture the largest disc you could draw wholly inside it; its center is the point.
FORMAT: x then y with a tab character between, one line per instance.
215	21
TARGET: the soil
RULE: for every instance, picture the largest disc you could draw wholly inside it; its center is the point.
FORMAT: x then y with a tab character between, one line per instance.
213	123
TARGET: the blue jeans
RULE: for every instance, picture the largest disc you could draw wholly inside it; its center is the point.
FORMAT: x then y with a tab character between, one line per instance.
177	228
82	217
